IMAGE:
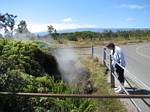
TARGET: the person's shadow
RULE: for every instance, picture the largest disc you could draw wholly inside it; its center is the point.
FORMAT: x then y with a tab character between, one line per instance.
136	91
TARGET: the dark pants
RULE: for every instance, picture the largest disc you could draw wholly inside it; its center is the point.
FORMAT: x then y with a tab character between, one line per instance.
120	73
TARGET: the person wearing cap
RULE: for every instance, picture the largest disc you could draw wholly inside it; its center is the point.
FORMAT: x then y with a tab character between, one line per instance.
118	62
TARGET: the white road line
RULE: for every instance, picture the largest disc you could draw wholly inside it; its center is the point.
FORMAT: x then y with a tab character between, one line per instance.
141	54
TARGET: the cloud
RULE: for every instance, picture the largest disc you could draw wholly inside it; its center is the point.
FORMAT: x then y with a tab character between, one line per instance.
36	27
133	6
130	19
67	20
58	26
62	26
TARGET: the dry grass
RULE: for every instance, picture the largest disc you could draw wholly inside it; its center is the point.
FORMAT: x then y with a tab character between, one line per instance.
103	88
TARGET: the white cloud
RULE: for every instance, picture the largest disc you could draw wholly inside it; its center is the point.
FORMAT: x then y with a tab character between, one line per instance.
130	19
62	26
133	6
58	26
67	20
33	27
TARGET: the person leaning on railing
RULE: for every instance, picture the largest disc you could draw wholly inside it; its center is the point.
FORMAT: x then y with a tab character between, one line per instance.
118	59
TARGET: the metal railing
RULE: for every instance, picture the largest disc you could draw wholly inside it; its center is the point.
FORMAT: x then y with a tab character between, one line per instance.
72	95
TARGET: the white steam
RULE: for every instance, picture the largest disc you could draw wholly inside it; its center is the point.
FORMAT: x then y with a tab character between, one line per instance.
25	36
71	68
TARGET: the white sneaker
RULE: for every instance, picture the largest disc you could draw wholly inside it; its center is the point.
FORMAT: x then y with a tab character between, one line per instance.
117	88
119	91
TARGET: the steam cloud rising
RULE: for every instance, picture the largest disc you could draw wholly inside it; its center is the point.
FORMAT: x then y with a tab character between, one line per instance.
71	68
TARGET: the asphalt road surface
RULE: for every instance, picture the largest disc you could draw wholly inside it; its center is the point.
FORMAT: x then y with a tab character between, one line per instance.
138	61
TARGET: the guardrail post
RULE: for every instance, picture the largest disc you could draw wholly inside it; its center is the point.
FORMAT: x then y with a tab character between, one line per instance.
112	80
92	50
104	56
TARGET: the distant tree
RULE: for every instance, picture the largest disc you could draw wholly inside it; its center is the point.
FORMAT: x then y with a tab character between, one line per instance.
7	21
23	32
51	29
7	33
22	27
55	34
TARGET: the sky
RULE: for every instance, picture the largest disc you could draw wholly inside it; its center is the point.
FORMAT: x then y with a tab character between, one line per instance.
71	14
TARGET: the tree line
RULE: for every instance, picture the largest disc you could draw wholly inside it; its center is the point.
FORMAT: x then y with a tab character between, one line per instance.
105	35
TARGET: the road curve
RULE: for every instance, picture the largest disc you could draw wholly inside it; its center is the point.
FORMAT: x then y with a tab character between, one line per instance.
138	61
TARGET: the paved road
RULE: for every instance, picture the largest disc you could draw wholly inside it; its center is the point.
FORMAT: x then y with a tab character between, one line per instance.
138	63
138	60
